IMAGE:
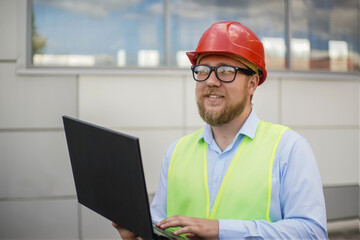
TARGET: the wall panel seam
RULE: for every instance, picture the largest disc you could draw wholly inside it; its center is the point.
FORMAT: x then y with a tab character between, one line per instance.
41	198
8	60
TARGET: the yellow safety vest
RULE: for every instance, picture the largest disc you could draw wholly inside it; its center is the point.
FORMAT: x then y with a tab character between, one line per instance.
245	192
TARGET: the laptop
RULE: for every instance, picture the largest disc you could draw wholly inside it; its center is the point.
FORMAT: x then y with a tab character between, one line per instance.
109	177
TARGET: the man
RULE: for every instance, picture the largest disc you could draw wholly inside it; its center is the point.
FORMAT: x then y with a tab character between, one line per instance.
238	177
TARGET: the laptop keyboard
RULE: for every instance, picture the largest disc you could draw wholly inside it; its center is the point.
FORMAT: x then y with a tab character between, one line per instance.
166	235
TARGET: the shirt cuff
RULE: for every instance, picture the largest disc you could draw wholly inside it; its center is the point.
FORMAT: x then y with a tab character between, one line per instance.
232	229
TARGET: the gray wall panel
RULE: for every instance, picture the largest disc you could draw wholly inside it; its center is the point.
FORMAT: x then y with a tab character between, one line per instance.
342	202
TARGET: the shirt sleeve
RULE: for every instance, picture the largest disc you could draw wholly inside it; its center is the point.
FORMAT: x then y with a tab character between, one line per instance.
158	208
301	199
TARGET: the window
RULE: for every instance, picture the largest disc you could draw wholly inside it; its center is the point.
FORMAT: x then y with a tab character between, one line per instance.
189	19
89	33
324	34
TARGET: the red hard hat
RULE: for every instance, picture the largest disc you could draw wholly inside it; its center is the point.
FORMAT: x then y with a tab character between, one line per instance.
230	37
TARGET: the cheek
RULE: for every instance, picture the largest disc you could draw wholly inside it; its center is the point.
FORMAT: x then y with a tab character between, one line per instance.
199	89
237	92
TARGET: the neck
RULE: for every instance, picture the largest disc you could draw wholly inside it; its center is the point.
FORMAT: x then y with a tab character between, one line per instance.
224	135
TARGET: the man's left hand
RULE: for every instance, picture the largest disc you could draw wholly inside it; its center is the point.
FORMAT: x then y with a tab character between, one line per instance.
125	234
200	227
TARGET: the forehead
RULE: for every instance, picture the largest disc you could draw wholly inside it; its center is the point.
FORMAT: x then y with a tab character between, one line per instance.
216	60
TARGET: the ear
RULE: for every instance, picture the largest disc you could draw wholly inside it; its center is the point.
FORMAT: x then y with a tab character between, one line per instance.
253	82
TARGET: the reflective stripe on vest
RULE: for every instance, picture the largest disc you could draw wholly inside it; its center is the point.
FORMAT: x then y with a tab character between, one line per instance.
245	192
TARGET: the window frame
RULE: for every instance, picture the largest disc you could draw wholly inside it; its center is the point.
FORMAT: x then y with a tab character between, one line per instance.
167	69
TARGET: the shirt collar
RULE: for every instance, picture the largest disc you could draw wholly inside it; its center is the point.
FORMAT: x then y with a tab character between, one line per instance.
248	129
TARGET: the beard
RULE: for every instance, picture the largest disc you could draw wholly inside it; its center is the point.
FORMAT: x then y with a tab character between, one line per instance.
225	115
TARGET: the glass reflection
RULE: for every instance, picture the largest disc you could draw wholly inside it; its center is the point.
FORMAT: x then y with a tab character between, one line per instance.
300	53
97	33
87	33
331	29
189	19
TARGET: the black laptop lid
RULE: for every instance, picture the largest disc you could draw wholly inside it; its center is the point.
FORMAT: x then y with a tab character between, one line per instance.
108	174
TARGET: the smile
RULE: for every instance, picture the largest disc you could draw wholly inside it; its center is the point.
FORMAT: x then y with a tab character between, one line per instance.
214	99
214	96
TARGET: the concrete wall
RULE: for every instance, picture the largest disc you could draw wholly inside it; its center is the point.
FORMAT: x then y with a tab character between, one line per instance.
37	195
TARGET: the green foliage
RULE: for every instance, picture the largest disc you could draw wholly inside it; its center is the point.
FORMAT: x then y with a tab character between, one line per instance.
38	41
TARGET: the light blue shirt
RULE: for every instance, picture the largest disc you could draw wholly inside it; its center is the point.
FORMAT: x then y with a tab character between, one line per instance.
297	209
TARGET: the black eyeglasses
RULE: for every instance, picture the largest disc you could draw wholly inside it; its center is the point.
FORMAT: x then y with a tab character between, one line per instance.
224	73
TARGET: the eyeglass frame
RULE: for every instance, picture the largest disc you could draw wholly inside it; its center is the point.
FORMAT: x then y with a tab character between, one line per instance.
245	71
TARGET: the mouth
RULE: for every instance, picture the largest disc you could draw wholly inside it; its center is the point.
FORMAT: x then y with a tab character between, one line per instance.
213	99
214	96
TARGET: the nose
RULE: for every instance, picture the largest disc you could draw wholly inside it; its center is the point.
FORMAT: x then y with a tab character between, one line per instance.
213	81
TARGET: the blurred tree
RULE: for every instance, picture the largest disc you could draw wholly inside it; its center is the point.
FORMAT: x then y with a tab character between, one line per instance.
38	41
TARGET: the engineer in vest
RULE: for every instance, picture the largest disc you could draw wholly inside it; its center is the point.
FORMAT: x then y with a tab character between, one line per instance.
238	177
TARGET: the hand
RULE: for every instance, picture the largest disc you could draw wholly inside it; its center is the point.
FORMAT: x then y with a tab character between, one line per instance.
199	227
125	234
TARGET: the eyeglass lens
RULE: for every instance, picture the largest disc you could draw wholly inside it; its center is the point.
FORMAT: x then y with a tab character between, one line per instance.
224	73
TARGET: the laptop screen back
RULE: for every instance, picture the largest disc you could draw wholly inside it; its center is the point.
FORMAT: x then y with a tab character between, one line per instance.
108	174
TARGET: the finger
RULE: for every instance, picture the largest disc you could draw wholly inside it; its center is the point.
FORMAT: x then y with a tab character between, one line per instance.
191	236
170	223
164	222
176	221
125	234
186	230
117	226
169	219
200	227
